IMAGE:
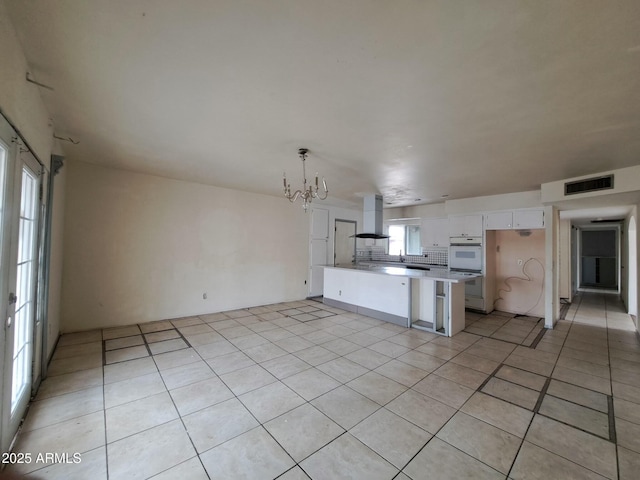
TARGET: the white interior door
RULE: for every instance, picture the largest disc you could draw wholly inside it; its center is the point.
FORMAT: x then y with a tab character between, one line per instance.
318	250
19	267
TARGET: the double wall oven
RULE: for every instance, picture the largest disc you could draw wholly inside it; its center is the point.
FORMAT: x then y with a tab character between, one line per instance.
465	255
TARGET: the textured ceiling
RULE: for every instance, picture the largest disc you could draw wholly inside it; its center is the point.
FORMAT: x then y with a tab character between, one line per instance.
412	99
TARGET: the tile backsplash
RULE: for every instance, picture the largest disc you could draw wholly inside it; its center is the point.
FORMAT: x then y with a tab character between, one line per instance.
430	256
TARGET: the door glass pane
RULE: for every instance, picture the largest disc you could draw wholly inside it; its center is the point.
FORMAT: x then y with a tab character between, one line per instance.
25	289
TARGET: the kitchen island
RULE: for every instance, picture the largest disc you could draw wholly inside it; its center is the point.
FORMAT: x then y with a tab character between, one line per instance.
409	296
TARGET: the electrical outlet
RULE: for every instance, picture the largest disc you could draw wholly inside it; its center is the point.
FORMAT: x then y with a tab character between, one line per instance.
204	296
519	261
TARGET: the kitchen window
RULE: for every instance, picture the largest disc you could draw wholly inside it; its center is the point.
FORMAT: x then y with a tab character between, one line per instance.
404	240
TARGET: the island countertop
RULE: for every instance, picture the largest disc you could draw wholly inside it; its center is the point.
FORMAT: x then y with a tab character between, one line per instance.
438	274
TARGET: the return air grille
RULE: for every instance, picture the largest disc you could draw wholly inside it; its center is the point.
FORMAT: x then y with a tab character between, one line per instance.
589	185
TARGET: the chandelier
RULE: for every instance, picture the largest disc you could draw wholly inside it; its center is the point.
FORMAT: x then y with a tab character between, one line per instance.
307	193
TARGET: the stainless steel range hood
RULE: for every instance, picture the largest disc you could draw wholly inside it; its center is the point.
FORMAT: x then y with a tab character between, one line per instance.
372	225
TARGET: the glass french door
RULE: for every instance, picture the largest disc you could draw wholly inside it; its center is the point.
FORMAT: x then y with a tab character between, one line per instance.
22	302
19	224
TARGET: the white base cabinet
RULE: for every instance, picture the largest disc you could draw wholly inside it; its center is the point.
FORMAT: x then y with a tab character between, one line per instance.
370	293
430	303
437	306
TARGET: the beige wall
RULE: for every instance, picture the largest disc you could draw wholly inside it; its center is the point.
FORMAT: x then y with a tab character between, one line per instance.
21	103
56	264
519	295
140	248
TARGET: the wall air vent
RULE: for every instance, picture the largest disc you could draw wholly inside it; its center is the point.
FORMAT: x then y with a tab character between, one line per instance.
589	185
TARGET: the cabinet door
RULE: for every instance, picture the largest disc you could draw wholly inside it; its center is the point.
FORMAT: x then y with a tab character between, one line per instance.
426	232
434	232
441	236
465	226
528	219
474	225
457	226
498	221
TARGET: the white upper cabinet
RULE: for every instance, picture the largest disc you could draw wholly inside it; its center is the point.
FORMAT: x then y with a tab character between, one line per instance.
498	220
434	232
465	226
528	219
514	219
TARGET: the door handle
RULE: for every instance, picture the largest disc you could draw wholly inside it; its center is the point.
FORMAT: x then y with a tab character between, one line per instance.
13	298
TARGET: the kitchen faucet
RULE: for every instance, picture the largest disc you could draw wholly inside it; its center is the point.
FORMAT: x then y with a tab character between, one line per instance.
401	258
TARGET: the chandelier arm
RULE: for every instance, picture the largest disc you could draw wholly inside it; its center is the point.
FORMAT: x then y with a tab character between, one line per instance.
293	197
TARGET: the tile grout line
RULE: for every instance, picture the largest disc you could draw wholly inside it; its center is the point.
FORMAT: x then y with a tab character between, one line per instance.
104	411
288	411
360	347
341	384
610	405
537	407
180	417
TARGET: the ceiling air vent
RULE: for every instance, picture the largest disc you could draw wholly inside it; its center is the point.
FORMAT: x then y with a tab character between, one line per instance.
589	185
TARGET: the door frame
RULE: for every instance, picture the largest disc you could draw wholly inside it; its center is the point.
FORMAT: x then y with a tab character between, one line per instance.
335	229
602	227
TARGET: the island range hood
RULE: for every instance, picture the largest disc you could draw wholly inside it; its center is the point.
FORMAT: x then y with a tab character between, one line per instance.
372	225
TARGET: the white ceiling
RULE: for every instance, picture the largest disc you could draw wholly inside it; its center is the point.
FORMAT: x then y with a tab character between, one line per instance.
412	99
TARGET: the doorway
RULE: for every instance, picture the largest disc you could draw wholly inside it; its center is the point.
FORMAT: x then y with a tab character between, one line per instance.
344	243
599	258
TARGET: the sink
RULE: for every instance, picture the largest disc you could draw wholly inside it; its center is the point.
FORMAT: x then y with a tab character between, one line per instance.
412	267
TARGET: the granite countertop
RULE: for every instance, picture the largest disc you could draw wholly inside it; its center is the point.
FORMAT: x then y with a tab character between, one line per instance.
404	270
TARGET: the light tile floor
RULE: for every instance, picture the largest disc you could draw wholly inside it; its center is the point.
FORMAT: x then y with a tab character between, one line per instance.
301	390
